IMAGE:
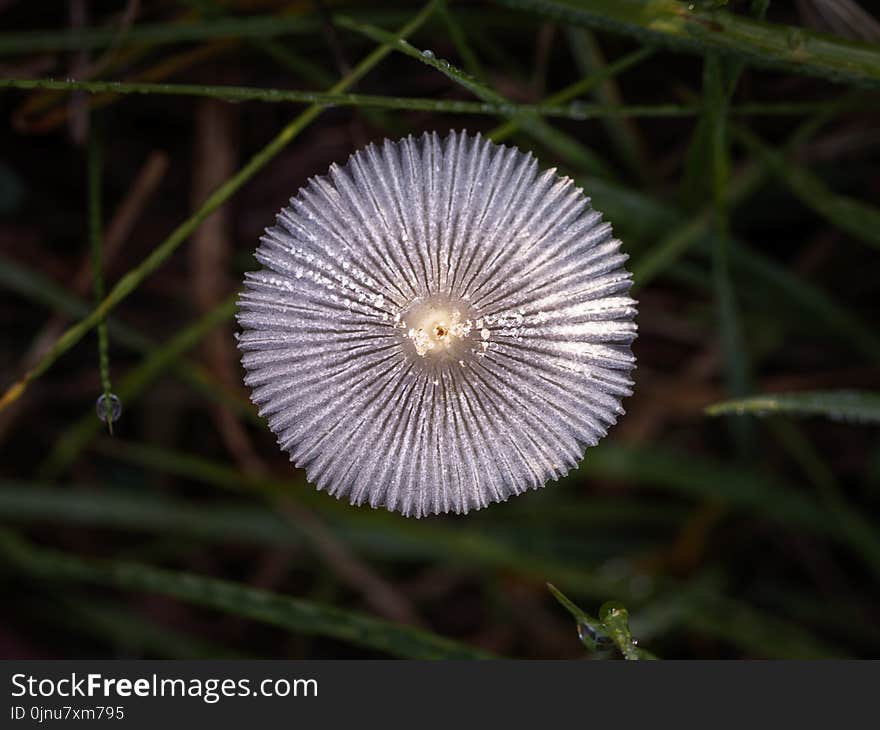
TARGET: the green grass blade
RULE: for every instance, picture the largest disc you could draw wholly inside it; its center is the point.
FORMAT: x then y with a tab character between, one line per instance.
859	219
292	614
567	147
743	488
682	237
615	618
96	236
758	633
266	26
692	26
674	243
222	520
838	405
323	99
76	438
37	288
578	88
706	479
716	99
459	40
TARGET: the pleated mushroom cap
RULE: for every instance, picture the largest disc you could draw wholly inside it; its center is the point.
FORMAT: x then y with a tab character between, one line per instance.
438	325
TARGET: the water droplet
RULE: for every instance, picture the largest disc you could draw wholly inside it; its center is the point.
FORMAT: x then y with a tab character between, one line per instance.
591	636
428	53
114	406
578	109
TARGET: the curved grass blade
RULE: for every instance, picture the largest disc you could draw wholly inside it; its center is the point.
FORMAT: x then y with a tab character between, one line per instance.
857	218
292	614
692	26
838	405
707	479
578	112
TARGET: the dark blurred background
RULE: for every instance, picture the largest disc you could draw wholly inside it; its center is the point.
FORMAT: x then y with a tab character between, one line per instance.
724	537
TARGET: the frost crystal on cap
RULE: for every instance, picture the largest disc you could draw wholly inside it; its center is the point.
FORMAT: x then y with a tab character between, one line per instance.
438	325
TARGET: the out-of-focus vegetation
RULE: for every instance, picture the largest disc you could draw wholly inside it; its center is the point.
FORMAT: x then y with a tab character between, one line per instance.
733	145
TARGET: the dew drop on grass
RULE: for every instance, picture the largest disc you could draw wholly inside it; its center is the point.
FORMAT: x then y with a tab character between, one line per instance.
428	53
578	109
114	406
591	636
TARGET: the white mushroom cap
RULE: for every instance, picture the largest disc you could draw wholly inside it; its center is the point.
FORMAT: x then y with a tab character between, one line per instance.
438	325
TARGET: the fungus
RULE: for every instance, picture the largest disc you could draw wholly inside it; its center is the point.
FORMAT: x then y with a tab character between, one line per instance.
438	325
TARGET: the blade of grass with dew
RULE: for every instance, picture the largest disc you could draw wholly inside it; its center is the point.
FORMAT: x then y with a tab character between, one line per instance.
277	96
76	437
578	88
133	279
37	288
694	27
612	629
459	40
838	405
859	219
566	146
96	227
292	614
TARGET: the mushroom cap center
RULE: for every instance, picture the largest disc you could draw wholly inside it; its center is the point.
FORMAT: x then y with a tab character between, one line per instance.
438	328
